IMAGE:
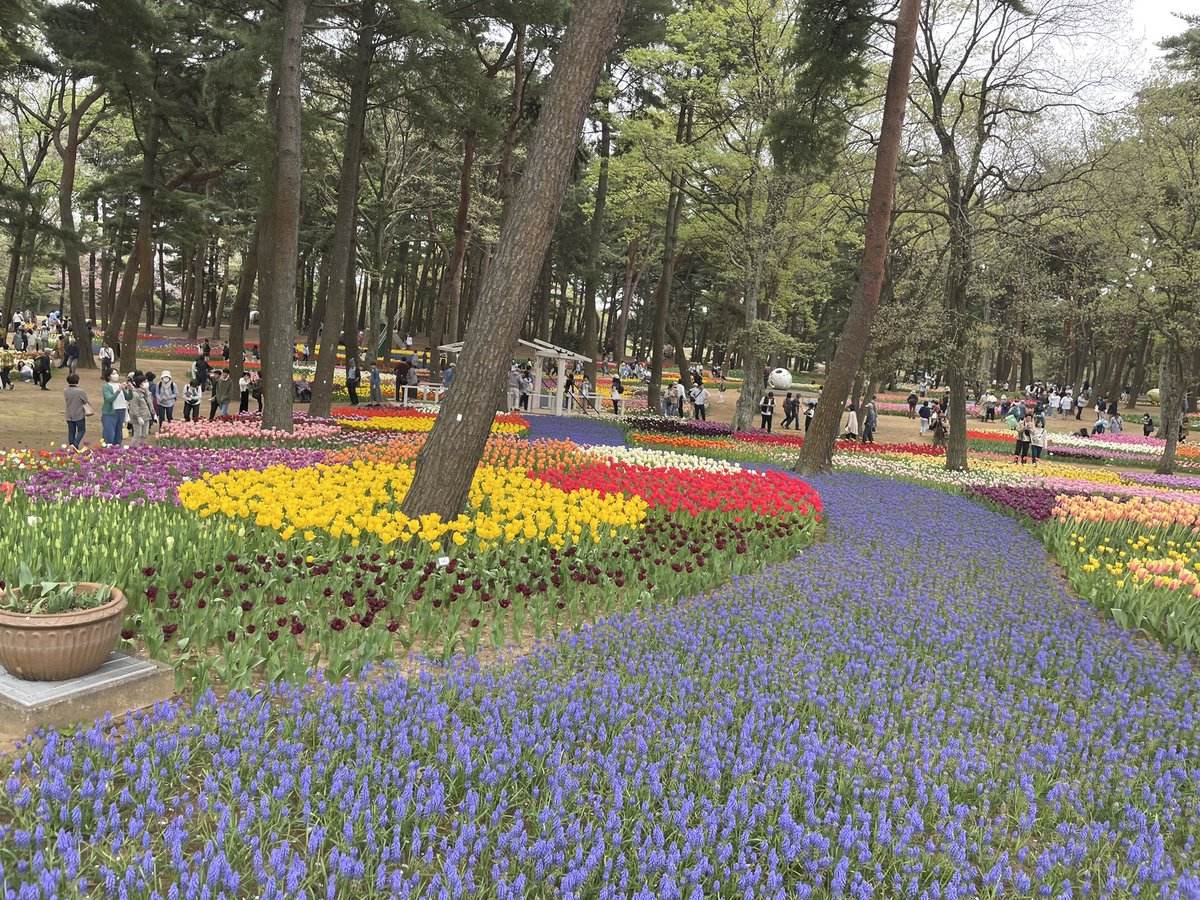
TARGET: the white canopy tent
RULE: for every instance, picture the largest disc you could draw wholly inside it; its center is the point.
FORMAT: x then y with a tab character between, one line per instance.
541	351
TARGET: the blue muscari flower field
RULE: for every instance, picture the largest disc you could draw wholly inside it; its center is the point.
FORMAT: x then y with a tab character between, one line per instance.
912	708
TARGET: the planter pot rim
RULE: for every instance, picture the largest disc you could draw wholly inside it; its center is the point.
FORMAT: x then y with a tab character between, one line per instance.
69	618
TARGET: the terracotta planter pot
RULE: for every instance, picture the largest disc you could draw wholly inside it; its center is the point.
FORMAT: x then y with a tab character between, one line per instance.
63	645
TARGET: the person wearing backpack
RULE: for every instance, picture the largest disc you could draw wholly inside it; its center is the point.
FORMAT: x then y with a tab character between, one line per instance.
1147	425
168	394
700	402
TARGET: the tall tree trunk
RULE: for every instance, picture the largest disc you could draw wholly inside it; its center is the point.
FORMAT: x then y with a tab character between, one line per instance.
163	296
14	265
241	304
445	324
282	227
1173	404
591	323
621	329
543	307
318	315
509	147
374	317
223	297
197	286
662	291
121	301
143	288
817	453
446	463
341	253
69	150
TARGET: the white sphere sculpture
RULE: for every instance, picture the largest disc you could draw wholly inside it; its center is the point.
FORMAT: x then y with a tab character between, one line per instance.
779	380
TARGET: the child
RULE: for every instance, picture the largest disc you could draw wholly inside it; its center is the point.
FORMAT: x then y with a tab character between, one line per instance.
1039	440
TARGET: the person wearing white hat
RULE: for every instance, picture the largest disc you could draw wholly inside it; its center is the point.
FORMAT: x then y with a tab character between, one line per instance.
168	394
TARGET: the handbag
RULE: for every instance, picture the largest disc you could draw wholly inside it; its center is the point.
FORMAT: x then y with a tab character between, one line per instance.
87	409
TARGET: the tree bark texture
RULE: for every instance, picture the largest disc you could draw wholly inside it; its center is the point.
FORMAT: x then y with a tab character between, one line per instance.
339	260
591	319
817	453
69	150
241	304
141	257
446	463
282	227
445	325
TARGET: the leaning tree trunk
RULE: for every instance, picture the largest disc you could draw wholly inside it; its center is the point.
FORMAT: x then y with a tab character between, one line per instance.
341	254
446	463
817	453
282	228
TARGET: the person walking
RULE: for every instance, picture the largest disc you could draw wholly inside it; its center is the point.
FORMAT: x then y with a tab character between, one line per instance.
1147	425
192	392
168	395
1080	403
766	409
201	370
700	402
924	413
526	389
6	367
141	411
789	411
870	422
512	391
71	356
78	409
112	411
222	395
851	430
